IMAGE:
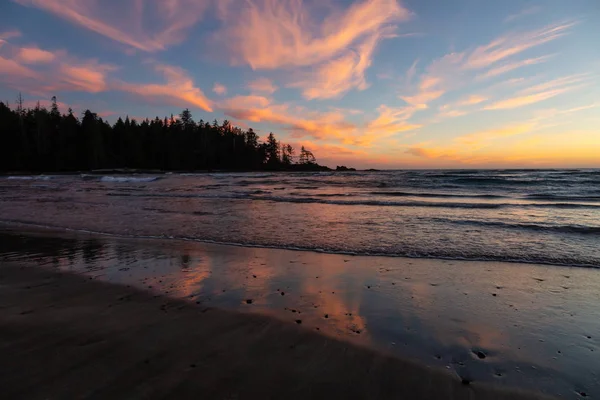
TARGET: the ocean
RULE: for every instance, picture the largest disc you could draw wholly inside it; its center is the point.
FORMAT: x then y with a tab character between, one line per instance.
532	216
489	274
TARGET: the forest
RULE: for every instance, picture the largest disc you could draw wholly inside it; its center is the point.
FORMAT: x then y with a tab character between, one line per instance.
42	140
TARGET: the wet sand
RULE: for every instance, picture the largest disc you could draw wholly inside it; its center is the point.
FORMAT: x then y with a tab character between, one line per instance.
509	325
69	336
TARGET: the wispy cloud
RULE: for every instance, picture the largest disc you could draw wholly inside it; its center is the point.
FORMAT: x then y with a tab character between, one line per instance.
33	55
513	44
523	13
330	55
262	85
540	92
511	66
342	74
178	90
219	89
125	23
44	72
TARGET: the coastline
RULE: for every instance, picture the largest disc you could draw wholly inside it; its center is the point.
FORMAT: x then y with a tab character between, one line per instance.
66	335
437	313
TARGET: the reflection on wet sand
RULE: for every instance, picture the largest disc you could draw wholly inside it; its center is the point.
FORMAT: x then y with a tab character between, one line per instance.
486	321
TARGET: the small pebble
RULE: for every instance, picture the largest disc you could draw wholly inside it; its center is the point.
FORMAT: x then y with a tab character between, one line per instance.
326	315
249	301
480	354
465	381
298	321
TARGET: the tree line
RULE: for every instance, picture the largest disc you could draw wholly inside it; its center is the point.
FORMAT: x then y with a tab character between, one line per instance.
38	139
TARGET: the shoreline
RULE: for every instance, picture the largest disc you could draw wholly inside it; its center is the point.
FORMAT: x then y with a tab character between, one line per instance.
68	336
495	323
58	229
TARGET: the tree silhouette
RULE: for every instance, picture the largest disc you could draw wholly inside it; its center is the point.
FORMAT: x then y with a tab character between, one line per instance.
45	140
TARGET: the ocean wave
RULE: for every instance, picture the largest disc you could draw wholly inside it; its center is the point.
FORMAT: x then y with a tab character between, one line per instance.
578	229
547	259
546	196
437	195
282	199
29	178
125	179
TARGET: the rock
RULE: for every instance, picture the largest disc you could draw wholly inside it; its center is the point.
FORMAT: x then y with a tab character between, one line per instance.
249	301
480	354
298	321
192	365
283	293
326	315
465	381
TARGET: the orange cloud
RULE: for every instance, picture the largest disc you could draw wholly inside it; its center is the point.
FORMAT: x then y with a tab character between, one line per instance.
389	122
33	55
88	77
124	21
298	121
338	76
284	33
219	89
478	140
12	70
179	89
262	85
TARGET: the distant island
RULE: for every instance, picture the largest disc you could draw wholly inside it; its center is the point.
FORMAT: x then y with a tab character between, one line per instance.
42	140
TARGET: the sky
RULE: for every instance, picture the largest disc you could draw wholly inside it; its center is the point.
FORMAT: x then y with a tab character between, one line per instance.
364	83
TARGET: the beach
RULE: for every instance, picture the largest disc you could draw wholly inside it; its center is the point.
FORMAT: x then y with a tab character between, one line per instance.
70	336
363	327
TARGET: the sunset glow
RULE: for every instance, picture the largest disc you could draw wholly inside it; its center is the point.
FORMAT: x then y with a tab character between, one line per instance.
367	83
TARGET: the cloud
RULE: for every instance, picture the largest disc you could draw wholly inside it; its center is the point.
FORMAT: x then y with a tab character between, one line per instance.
513	44
179	90
87	77
285	33
329	55
42	72
477	140
127	22
297	120
540	92
262	85
219	89
456	70
513	66
33	55
338	76
389	122
523	13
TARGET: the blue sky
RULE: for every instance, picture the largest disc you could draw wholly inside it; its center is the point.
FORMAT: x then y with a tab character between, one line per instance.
372	83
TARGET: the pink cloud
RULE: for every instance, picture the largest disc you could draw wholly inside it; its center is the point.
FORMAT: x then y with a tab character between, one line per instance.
179	90
336	77
514	44
219	89
87	77
262	85
540	92
287	34
33	55
126	22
